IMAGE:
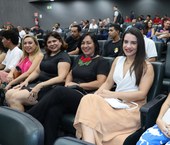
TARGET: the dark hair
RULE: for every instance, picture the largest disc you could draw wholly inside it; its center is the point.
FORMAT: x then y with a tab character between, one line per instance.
95	41
57	36
78	27
12	35
116	26
164	20
2	48
139	63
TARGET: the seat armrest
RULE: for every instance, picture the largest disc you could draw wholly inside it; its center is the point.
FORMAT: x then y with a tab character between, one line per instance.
150	111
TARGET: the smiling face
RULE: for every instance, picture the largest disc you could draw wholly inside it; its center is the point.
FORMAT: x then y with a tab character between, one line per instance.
53	44
167	24
88	46
130	45
29	45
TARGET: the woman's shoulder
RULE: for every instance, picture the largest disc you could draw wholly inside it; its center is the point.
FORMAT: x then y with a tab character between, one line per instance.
148	63
119	58
148	67
2	53
38	55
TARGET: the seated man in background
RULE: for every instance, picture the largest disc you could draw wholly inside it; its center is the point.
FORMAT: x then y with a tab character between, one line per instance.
163	33
37	31
112	47
73	40
2	49
10	41
57	28
150	47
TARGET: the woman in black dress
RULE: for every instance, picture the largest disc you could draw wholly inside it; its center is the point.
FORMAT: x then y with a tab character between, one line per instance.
52	71
89	72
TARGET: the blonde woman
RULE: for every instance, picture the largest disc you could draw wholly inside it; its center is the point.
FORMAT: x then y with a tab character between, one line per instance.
31	58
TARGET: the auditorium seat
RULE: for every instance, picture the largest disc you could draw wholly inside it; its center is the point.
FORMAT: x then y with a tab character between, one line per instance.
19	128
166	80
101	45
159	46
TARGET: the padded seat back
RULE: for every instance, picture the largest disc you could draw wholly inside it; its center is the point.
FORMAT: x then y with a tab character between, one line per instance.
19	128
166	80
101	45
167	62
158	78
159	46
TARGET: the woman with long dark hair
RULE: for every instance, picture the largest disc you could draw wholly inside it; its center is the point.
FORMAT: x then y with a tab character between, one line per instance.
108	117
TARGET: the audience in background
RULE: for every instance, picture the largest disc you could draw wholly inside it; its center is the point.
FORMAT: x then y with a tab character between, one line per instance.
93	24
163	33
72	24
52	70
22	32
132	15
37	31
157	20
85	25
148	19
57	28
2	49
149	30
112	47
150	47
10	41
131	24
127	19
73	40
96	120
117	16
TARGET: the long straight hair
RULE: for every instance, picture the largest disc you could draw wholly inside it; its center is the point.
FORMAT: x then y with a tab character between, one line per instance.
139	63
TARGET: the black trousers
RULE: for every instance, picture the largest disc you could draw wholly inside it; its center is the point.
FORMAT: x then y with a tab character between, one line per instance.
51	108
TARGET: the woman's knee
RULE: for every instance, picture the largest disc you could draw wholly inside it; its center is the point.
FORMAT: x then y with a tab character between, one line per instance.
9	93
9	96
10	99
17	97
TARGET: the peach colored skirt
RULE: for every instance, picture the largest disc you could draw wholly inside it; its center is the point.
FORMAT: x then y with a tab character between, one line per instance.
110	126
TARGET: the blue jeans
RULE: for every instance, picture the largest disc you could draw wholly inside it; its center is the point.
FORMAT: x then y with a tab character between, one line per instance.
155	39
153	136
